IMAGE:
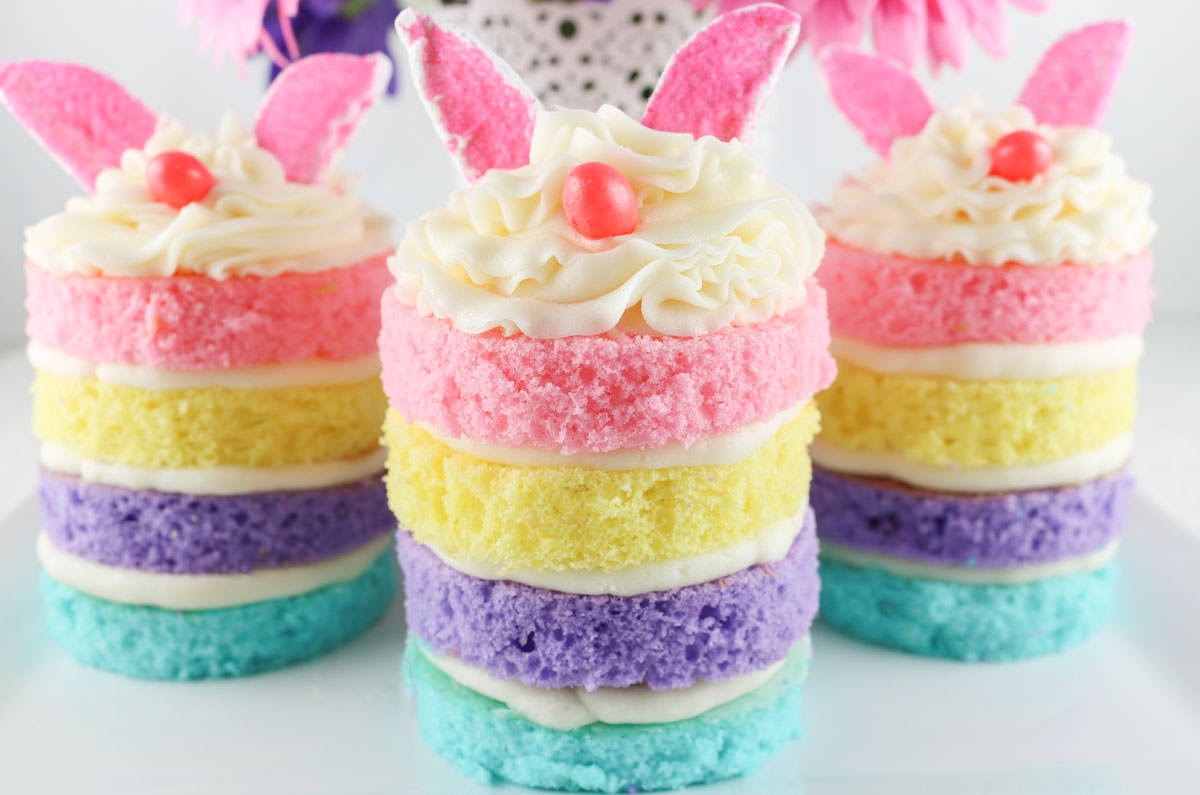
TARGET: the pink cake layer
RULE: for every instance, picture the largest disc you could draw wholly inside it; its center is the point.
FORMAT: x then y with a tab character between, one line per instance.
605	392
888	300
198	323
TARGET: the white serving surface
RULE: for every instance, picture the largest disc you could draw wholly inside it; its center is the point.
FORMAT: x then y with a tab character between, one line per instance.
1119	714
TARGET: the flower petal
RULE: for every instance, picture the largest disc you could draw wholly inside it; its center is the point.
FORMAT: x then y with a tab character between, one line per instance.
229	27
947	21
898	30
1031	5
989	26
831	22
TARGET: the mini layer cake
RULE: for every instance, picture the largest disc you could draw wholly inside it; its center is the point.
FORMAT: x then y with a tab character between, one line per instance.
600	362
989	283
207	391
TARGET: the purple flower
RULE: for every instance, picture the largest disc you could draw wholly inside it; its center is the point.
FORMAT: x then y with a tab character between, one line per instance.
354	26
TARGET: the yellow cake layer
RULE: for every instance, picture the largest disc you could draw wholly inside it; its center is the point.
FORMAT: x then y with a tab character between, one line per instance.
209	427
950	422
571	518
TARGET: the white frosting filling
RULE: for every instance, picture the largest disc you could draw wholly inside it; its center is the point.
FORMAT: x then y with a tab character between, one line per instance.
202	591
934	199
574	707
966	575
771	545
252	223
219	481
985	361
272	376
719	450
1078	468
718	243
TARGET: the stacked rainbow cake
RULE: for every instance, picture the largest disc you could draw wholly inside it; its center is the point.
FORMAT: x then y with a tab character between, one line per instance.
207	393
600	363
989	282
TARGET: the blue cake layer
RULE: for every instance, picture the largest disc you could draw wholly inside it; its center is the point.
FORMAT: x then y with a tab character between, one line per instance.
491	743
965	622
153	643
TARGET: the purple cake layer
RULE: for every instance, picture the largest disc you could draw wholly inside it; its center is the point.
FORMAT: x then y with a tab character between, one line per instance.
667	639
984	530
200	534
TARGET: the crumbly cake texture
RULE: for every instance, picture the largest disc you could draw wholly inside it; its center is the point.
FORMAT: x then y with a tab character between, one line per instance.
152	643
574	518
604	392
727	627
491	743
979	530
196	323
890	300
207	427
947	421
972	623
205	534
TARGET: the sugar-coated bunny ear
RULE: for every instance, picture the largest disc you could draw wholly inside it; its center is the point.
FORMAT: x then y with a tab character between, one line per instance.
880	99
86	120
718	82
315	106
1076	77
482	109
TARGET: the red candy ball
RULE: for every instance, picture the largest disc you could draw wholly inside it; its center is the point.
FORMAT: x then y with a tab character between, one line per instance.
1020	156
599	202
177	178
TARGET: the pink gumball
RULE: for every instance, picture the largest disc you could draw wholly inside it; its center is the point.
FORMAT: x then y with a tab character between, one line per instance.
178	179
599	202
1020	156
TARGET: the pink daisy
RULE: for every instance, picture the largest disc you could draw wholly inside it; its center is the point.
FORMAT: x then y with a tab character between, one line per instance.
234	28
901	29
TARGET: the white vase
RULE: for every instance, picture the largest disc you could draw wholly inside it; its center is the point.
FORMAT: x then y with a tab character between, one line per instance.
580	53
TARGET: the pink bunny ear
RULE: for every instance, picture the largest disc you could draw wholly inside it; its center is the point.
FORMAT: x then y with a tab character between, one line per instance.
1076	77
718	82
484	112
880	99
314	108
86	120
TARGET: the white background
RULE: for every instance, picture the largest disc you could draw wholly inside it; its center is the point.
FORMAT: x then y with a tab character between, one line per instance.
1154	119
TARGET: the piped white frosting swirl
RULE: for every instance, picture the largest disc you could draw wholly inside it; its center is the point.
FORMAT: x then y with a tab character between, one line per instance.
934	199
717	243
252	223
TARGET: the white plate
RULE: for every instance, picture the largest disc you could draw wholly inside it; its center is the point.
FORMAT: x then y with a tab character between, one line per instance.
1120	714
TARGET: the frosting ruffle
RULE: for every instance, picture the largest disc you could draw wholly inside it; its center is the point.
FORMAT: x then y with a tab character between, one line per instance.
933	198
252	223
718	243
